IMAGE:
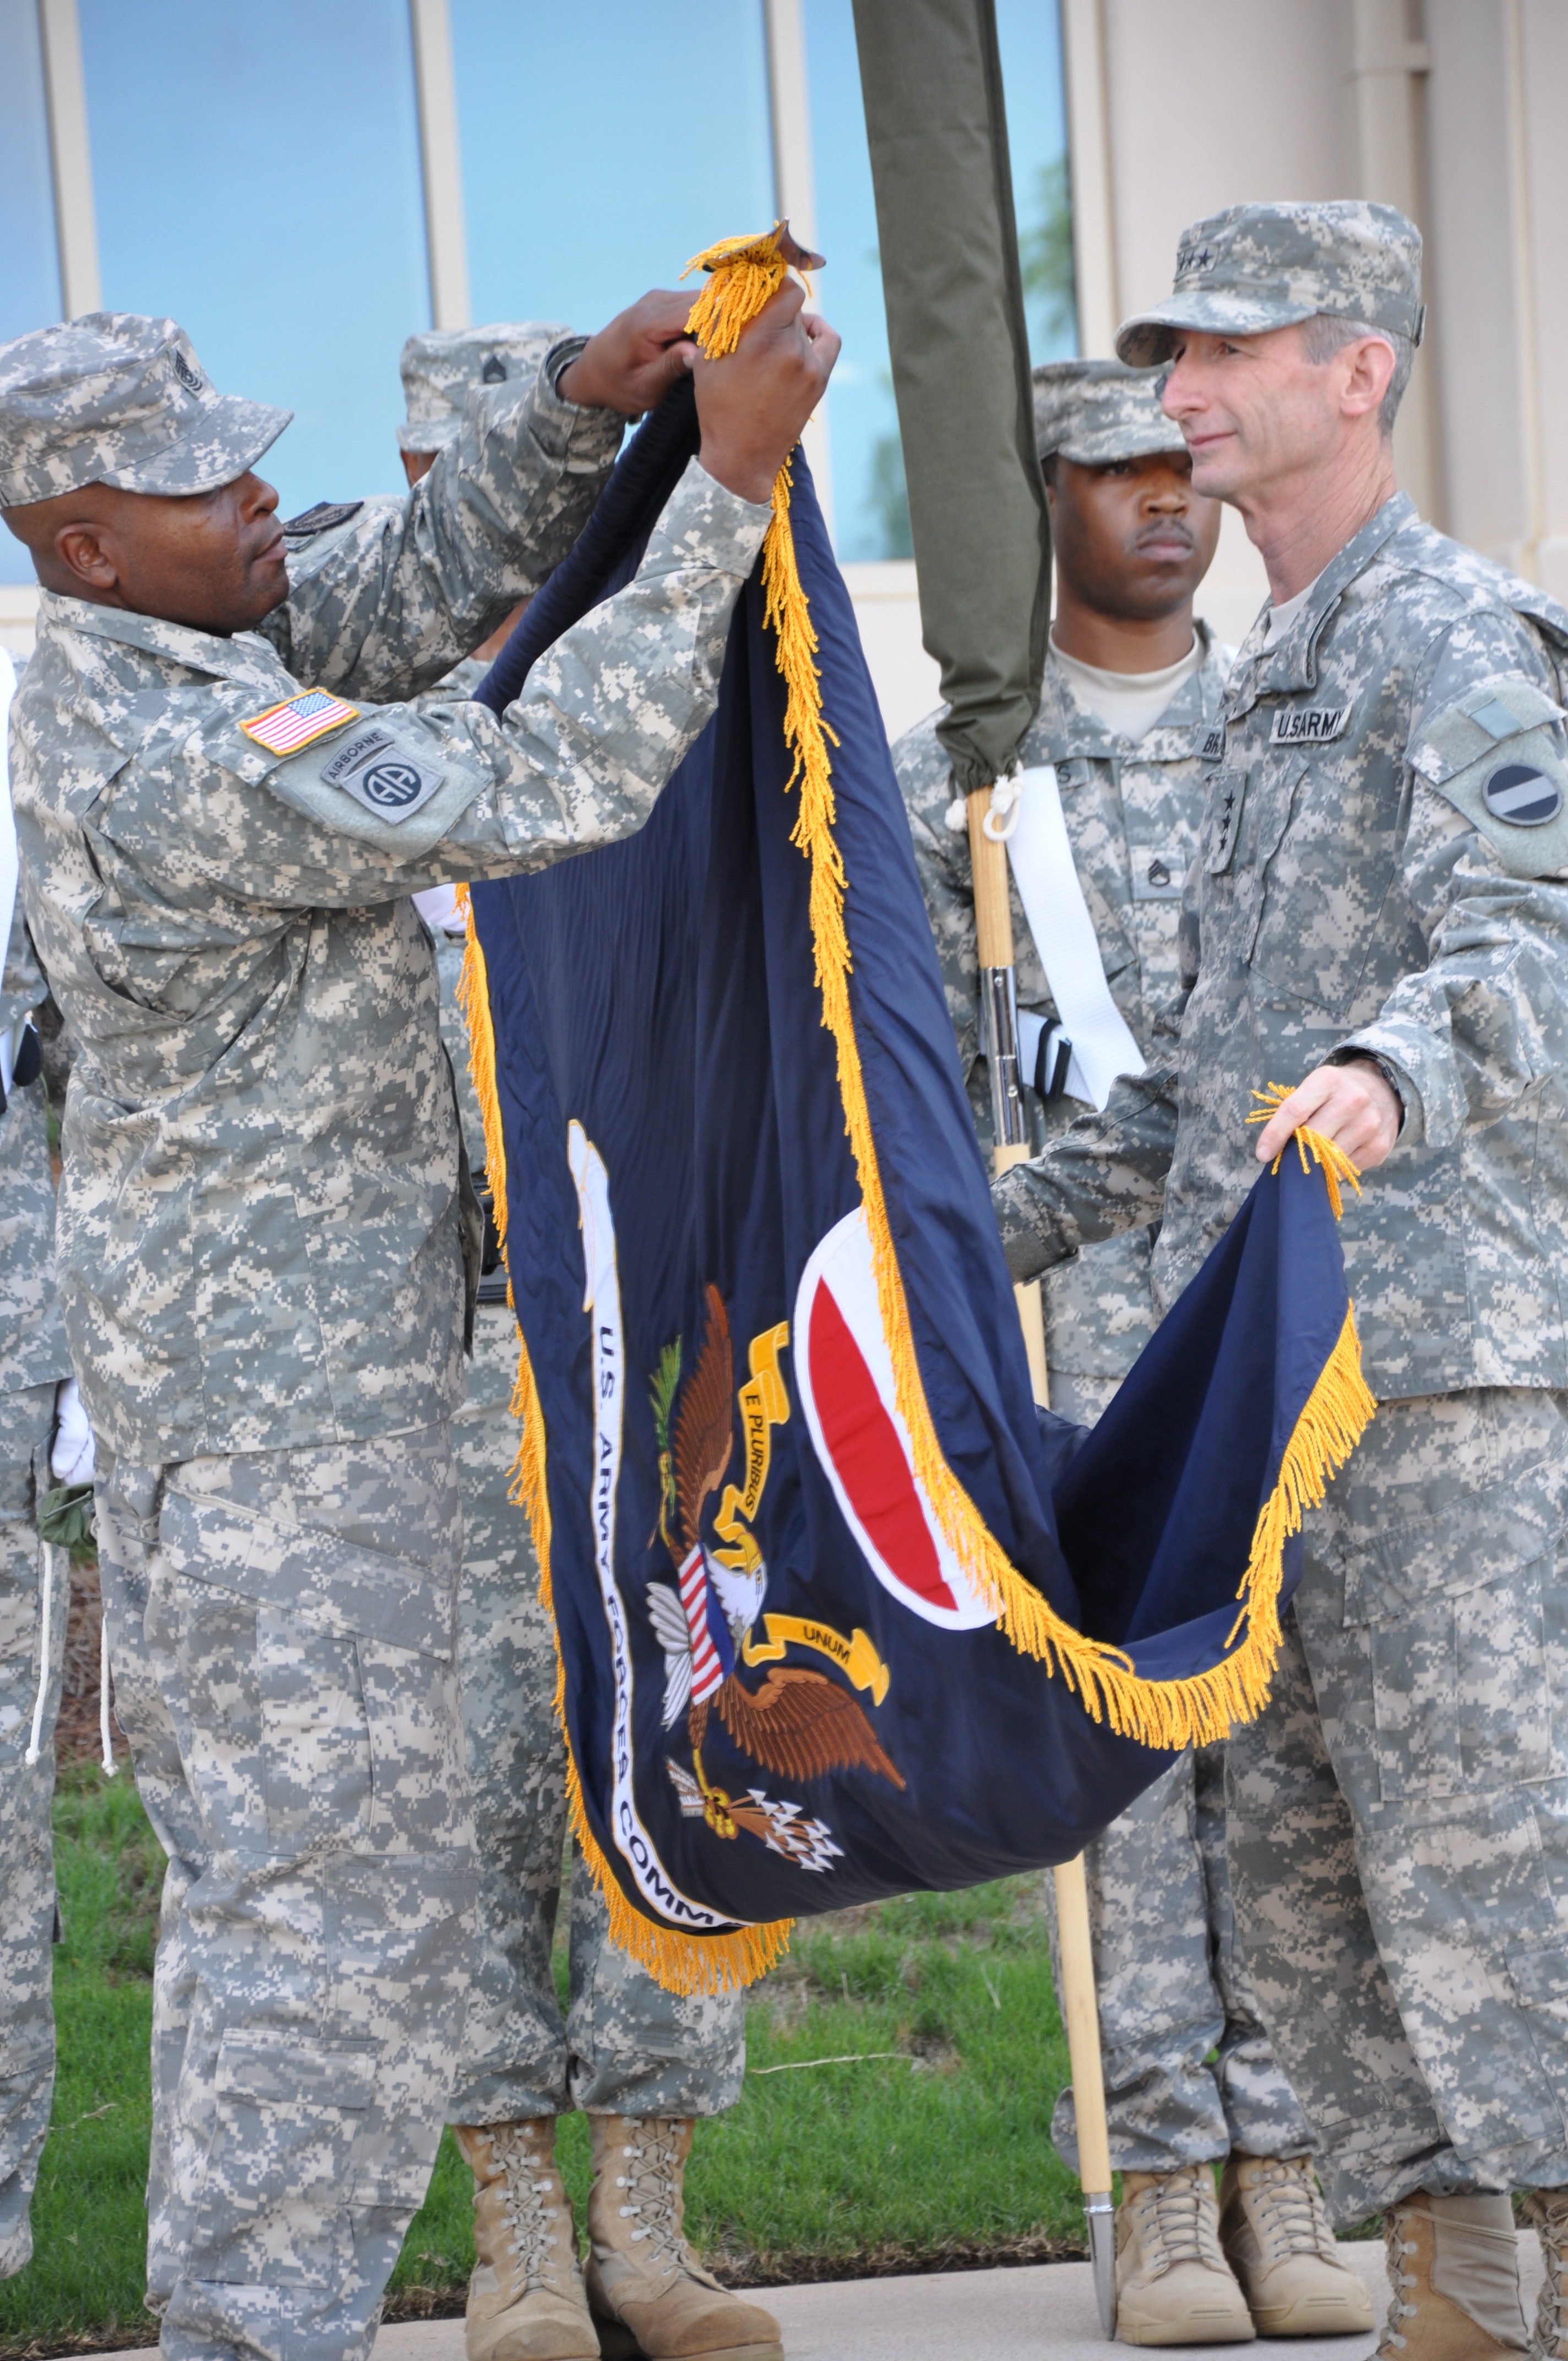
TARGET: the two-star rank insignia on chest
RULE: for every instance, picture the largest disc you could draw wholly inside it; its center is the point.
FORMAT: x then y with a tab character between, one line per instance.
284	729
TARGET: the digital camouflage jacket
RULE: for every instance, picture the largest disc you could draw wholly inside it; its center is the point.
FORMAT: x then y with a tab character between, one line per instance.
259	1241
1133	808
1384	867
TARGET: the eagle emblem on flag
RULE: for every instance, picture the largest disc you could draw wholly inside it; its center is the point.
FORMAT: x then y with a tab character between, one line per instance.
798	1723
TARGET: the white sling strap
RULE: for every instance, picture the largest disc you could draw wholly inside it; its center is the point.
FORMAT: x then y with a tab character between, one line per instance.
8	860
1048	888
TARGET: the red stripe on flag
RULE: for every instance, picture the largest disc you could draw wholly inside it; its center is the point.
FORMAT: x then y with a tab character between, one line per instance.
863	1446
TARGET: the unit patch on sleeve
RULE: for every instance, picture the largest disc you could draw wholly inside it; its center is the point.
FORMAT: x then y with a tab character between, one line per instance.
1308	725
284	729
1499	757
382	776
1518	792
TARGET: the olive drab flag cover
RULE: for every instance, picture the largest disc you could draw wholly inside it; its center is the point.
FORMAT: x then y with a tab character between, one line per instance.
839	1613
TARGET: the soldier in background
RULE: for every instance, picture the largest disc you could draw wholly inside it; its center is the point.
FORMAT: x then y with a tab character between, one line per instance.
1131	687
34	1370
1381	907
225	790
641	2061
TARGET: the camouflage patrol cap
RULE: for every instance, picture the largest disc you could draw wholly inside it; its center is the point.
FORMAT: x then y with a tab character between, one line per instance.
115	397
1092	412
1259	267
444	366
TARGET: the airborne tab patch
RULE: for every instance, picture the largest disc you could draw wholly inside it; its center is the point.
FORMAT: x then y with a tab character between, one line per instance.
1308	725
321	518
284	729
356	752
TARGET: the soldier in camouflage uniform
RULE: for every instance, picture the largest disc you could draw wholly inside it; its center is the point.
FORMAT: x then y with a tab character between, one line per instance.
1380	906
641	2060
265	1215
32	1363
1132	687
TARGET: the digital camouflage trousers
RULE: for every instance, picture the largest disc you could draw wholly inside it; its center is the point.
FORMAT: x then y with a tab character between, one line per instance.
1399	1815
1189	2072
282	1627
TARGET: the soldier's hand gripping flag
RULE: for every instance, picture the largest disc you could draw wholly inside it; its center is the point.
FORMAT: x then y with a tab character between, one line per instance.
839	1614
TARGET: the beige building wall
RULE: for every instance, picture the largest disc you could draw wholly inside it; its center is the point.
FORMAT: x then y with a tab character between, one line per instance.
1448	108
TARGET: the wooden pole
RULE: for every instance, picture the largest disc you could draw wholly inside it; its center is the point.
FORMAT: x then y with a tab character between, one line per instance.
999	1017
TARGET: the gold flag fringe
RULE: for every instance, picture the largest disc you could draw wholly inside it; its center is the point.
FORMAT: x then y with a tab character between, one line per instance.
744	273
680	1962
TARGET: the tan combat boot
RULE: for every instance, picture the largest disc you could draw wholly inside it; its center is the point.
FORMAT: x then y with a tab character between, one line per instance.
1454	2267
1276	2239
526	2299
1548	2208
648	2293
1173	2283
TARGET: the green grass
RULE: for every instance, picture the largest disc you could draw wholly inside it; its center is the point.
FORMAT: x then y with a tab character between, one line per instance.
89	2226
938	2153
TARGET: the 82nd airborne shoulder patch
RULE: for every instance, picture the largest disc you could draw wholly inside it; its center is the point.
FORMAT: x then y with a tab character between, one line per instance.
284	729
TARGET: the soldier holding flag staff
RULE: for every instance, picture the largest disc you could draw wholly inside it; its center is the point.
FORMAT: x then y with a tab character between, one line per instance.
1132	685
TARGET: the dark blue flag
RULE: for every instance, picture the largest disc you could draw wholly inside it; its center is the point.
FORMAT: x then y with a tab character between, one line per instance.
839	1613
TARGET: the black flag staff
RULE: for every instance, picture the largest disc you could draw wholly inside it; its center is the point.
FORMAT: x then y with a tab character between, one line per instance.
931	78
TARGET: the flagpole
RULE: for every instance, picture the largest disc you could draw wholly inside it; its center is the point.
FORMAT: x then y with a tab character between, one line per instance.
999	1027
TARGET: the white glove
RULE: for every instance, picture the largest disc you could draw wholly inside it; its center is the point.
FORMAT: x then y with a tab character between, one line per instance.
71	1455
437	905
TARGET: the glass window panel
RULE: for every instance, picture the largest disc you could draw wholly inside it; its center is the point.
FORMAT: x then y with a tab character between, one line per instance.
870	512
30	262
603	146
257	175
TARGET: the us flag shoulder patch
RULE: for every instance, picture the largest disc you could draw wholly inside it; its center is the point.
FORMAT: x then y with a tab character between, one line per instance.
284	729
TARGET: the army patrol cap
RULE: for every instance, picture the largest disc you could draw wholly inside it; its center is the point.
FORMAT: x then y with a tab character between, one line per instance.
1257	267
1092	412
115	397
441	369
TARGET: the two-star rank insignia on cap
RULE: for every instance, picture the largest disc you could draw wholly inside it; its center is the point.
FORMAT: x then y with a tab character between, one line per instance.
1520	793
284	729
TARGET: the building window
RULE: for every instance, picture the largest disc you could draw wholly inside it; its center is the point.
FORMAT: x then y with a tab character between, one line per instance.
602	147
274	212
281	217
30	262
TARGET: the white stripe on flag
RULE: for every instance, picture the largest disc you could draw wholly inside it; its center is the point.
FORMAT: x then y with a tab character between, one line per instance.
707	1672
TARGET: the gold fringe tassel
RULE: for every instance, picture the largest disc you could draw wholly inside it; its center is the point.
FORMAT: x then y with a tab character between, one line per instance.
744	273
680	1962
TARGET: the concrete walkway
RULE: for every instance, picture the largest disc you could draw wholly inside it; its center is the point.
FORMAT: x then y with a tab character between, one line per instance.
1044	2312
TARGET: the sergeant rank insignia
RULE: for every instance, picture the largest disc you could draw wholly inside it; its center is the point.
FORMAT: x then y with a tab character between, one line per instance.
284	729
